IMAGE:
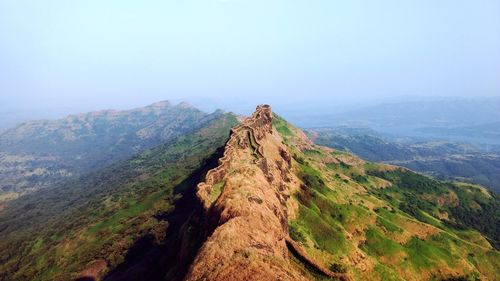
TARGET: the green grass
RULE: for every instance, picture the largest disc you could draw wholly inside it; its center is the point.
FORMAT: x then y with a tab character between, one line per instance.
134	208
386	219
340	167
426	254
216	190
377	244
312	178
313	152
297	232
337	152
389	226
424	199
37	245
281	126
327	236
386	273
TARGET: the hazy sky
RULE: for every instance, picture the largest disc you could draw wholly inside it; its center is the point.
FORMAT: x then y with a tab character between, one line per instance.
66	56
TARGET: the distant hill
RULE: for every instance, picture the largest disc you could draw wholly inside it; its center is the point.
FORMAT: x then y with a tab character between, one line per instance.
456	119
483	132
444	160
37	154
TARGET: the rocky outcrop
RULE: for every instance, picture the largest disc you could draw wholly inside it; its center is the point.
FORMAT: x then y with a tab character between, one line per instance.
246	135
245	203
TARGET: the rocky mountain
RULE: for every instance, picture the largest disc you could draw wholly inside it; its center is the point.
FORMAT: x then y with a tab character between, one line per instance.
441	159
258	201
37	154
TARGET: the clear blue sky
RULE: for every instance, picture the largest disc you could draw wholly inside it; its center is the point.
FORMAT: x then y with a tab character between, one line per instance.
81	55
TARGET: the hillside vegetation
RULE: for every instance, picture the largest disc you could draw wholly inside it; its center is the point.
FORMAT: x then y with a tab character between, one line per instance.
37	154
101	220
381	222
443	160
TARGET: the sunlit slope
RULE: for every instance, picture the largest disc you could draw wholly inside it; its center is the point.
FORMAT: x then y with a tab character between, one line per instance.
381	222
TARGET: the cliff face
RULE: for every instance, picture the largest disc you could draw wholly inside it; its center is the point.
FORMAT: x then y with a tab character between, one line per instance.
245	203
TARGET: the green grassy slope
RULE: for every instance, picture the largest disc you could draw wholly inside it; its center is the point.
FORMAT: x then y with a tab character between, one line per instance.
444	160
380	222
58	232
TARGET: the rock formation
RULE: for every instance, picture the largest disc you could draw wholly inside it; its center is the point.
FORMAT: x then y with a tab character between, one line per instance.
245	203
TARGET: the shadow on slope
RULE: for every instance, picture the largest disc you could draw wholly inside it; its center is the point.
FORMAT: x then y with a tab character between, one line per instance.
169	259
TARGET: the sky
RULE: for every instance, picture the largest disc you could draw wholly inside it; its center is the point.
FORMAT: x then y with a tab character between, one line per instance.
59	57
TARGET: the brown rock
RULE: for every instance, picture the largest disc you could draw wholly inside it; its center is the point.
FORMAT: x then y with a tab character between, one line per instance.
247	219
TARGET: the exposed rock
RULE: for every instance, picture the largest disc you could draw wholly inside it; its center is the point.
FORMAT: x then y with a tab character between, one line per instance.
247	222
93	270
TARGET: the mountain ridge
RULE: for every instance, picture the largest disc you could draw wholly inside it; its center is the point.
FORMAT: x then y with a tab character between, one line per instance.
252	199
227	201
342	196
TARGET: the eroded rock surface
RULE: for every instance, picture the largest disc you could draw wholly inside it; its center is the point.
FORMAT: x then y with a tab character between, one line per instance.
245	203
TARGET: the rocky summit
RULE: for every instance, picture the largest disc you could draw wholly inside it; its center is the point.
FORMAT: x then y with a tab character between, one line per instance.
245	201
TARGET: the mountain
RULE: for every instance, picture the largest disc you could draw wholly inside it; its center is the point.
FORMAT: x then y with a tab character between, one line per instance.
88	224
441	159
37	154
279	206
251	199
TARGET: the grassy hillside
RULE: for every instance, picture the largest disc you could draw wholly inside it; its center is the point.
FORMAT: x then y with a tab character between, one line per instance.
443	160
101	221
381	222
37	154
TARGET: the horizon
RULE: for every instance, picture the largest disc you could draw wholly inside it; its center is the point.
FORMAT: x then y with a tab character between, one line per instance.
247	109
